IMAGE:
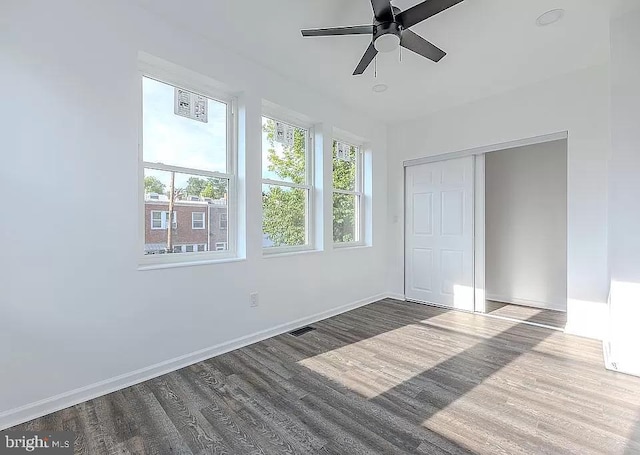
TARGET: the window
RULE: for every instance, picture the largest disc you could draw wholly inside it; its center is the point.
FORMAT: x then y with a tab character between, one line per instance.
347	193
188	166
197	220
286	185
221	246
159	220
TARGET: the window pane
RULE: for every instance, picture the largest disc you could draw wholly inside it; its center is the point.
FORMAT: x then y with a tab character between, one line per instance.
172	139
344	167
206	209
284	216
345	217
198	220
282	160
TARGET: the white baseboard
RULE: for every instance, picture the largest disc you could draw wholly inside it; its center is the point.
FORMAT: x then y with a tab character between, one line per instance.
64	400
525	302
396	296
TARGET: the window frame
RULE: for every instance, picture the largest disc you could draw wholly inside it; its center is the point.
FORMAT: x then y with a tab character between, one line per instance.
357	192
164	72
163	220
280	116
204	222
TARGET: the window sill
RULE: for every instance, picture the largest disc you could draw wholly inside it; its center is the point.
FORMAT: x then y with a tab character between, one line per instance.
192	263
350	246
285	253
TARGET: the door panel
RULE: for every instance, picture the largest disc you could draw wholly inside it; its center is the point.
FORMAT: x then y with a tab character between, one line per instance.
423	260
439	233
423	220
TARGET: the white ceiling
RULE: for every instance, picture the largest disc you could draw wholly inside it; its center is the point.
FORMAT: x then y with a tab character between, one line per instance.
492	45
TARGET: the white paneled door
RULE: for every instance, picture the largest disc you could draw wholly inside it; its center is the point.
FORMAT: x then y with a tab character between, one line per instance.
439	233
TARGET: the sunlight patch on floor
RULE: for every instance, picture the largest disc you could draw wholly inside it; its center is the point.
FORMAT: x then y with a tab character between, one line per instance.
393	358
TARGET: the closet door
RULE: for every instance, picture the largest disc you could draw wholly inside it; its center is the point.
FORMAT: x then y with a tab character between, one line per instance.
439	233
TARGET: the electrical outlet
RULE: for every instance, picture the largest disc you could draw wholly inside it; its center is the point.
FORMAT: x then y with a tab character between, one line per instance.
253	299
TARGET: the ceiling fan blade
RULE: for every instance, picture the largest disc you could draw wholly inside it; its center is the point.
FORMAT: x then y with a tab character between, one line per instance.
421	46
424	11
335	31
367	58
382	10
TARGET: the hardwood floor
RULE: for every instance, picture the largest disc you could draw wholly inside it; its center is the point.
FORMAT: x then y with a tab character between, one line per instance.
391	377
551	318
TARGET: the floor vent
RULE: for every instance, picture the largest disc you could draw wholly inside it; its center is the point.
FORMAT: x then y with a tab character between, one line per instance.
302	331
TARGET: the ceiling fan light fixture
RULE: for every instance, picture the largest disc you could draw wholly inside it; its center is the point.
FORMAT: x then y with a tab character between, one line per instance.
387	43
550	17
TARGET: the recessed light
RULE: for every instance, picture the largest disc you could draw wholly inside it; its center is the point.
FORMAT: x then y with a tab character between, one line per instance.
550	17
379	88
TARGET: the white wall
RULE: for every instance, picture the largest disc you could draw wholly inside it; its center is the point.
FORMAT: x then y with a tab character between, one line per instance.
624	193
578	103
526	225
75	309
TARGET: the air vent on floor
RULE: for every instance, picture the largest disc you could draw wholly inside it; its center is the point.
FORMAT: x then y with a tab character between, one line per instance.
302	331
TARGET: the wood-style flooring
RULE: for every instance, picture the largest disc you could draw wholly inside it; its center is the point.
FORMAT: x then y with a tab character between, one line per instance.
551	318
390	377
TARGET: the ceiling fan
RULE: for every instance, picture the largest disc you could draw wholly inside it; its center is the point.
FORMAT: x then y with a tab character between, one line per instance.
390	28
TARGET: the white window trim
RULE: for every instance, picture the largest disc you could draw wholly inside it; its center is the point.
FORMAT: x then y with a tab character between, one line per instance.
168	73
193	220
152	220
308	187
358	191
163	221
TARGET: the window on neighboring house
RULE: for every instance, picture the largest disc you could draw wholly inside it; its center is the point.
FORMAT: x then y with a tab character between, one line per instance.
286	185
188	139
160	220
348	190
223	221
221	246
197	220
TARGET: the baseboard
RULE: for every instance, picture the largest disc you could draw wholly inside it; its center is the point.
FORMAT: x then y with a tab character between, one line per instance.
64	400
393	295
523	302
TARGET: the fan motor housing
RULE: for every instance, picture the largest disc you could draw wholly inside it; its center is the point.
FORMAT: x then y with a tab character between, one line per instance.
386	28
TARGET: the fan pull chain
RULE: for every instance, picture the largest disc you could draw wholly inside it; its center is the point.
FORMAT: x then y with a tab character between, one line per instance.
375	67
400	54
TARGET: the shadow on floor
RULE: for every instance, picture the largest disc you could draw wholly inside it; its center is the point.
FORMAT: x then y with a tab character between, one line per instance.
444	384
550	318
633	447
